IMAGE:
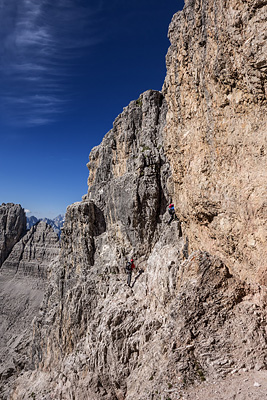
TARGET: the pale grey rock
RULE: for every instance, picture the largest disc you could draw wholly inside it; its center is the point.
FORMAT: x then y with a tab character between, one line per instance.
12	227
183	322
22	284
33	253
129	173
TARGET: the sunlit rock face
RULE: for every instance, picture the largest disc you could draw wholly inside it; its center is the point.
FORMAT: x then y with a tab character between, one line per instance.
12	227
129	173
216	131
121	217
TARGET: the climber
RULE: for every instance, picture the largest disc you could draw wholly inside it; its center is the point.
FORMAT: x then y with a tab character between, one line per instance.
129	269
172	213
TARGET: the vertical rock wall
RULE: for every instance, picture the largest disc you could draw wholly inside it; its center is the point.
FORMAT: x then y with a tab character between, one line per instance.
216	129
120	217
12	227
129	172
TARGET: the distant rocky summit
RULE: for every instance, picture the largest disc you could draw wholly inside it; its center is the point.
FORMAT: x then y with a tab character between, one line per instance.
192	323
32	220
56	223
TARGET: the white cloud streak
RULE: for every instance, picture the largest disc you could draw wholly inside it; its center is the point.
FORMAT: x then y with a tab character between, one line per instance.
39	40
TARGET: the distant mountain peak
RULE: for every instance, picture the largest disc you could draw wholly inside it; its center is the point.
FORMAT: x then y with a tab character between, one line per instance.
56	222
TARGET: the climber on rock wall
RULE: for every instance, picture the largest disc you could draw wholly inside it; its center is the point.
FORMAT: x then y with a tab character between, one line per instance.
172	213
129	269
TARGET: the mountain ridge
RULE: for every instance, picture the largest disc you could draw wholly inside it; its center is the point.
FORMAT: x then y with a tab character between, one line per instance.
56	223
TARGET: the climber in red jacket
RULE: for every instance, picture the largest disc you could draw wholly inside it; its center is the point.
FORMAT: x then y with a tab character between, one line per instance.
172	213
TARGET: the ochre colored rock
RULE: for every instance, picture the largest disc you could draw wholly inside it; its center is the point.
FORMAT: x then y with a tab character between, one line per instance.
216	129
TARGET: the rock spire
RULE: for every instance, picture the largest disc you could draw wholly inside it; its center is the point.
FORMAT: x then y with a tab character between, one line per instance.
12	228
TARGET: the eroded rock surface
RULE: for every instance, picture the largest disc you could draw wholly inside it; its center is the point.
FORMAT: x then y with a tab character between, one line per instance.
129	173
183	322
33	253
216	129
186	319
196	311
12	228
22	283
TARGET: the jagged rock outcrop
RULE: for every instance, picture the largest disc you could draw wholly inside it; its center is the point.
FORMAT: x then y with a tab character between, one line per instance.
22	282
12	227
119	216
216	129
186	319
33	253
129	173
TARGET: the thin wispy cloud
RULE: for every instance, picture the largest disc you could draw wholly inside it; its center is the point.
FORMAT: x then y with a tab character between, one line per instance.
40	40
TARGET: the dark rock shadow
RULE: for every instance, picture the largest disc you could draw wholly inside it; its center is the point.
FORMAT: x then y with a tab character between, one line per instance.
99	222
185	248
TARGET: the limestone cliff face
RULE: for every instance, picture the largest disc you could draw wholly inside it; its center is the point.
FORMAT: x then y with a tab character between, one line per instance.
12	227
195	312
118	219
22	282
129	173
33	253
216	129
186	319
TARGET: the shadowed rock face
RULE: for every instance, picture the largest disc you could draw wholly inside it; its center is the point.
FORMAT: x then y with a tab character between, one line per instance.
216	129
12	228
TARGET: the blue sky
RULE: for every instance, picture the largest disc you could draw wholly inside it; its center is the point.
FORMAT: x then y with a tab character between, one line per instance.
67	69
